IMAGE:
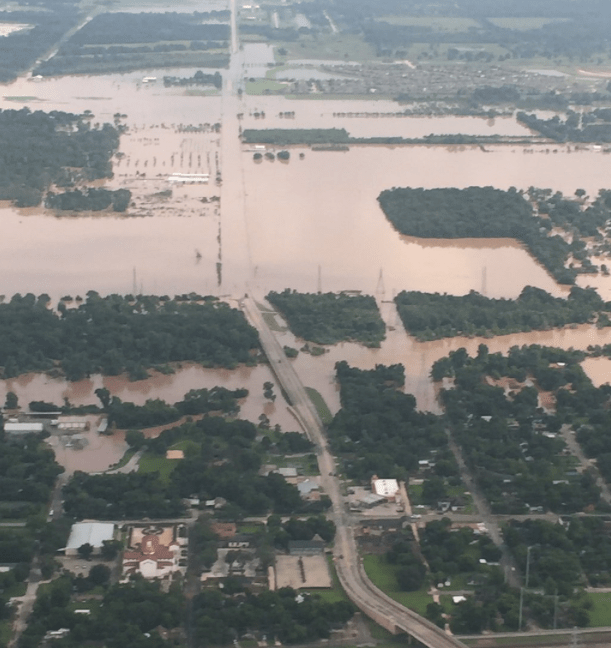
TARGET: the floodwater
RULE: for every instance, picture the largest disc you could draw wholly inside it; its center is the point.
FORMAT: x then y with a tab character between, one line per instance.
309	224
598	369
171	388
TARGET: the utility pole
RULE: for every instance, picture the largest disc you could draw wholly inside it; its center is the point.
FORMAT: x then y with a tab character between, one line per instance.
525	586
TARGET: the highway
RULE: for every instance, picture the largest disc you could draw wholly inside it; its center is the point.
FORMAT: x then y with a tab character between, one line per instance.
372	601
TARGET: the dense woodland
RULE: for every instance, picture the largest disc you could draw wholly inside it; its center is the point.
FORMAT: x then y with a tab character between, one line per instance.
128	614
476	212
327	318
39	149
378	429
114	334
510	444
431	316
89	200
20	50
219	616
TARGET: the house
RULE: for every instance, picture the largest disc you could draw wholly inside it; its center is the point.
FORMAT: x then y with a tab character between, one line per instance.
306	487
312	547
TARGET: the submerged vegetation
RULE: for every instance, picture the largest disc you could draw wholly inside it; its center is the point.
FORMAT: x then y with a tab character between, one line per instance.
39	149
477	212
113	334
327	318
433	316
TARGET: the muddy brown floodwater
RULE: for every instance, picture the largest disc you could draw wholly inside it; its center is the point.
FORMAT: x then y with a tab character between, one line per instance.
309	224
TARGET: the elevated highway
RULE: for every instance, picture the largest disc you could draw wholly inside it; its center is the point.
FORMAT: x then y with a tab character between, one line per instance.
381	608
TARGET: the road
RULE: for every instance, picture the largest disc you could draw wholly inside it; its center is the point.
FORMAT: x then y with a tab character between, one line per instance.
372	601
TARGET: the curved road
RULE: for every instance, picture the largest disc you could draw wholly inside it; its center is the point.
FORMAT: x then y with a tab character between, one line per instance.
380	607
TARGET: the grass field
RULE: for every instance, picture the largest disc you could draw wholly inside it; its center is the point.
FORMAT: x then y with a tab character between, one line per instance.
522	23
154	463
437	23
321	407
5	632
600	614
382	575
263	86
347	47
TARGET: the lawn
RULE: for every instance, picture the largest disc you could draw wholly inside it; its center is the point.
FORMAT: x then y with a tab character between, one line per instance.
264	86
600	614
342	47
6	630
321	407
523	23
154	463
382	575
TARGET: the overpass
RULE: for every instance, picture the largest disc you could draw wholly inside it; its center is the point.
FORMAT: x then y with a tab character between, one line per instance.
381	608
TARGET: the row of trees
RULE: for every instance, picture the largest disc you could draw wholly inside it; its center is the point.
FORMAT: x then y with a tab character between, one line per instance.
114	334
327	318
158	412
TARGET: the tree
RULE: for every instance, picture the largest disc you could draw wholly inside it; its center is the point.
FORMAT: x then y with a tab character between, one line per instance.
12	402
85	551
99	574
104	395
268	391
135	439
110	549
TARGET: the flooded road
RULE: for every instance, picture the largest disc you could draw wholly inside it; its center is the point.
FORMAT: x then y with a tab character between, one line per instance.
309	224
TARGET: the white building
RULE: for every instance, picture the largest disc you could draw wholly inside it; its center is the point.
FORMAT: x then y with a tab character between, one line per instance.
93	533
23	428
387	488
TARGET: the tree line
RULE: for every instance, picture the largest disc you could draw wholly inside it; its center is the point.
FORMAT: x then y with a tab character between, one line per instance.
92	199
431	316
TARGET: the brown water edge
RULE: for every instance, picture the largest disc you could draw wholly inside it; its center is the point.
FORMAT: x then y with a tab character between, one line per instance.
170	388
598	370
100	451
417	358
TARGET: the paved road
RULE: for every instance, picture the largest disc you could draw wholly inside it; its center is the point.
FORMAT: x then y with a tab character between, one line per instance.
380	607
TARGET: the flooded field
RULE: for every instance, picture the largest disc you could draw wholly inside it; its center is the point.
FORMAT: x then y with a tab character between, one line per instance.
309	224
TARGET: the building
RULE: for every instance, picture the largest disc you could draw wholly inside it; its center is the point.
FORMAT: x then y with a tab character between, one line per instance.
312	547
371	499
93	533
387	488
23	428
155	551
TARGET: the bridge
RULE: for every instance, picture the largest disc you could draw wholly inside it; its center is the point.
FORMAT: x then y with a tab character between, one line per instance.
373	602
